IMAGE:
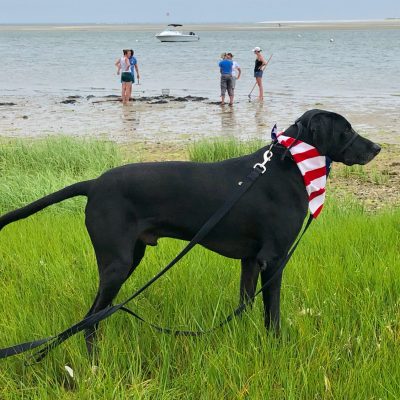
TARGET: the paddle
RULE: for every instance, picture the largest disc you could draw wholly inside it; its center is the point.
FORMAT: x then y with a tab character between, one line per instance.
262	69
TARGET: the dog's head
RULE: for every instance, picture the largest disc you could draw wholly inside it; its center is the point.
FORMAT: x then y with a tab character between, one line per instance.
334	137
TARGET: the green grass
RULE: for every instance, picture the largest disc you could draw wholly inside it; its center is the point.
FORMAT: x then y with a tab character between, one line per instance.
31	169
378	177
221	149
340	307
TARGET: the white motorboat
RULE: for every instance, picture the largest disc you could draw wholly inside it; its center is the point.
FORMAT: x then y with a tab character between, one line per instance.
173	35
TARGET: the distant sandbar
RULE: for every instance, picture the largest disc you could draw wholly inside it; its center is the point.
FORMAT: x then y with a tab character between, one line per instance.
390	23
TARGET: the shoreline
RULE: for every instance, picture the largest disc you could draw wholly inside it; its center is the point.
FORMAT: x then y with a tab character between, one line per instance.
255	26
178	118
374	186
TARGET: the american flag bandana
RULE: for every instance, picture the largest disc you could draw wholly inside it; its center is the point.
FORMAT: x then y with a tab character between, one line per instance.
313	167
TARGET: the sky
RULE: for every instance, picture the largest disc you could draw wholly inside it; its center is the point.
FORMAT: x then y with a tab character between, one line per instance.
191	11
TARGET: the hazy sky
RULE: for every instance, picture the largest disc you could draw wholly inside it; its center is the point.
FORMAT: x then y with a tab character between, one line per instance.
184	11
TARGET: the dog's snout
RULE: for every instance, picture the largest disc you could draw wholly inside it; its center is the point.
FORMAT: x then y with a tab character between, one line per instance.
376	148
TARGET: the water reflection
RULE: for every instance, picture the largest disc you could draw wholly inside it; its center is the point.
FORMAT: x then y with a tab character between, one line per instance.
228	119
260	117
130	118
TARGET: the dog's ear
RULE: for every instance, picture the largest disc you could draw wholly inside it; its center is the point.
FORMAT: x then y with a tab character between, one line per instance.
320	129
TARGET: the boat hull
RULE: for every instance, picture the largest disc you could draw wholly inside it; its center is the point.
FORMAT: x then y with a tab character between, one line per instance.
177	38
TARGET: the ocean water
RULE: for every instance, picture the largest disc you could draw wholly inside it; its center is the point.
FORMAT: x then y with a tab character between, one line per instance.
359	63
358	73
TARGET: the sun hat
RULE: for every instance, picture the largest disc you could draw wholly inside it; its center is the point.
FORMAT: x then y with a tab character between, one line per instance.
256	49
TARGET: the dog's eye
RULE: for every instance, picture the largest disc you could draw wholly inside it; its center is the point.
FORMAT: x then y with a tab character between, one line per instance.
347	131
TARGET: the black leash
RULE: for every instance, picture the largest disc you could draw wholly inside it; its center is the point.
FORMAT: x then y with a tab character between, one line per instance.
239	310
101	315
91	320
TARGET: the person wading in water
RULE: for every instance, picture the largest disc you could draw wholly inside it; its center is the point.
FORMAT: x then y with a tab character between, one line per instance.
258	71
123	64
225	67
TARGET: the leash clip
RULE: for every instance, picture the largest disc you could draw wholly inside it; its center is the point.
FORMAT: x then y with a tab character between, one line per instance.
267	157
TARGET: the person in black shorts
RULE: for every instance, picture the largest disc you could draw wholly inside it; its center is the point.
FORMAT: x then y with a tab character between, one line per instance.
124	67
258	71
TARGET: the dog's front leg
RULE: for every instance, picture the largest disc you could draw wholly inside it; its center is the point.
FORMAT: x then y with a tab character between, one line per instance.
248	280
271	297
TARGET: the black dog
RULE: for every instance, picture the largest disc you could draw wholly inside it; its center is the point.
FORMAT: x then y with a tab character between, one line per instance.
130	207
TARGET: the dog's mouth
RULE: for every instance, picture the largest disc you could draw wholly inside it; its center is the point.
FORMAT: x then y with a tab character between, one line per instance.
364	157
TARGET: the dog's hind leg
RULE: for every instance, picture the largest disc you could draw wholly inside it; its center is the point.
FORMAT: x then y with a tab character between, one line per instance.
138	253
118	254
248	279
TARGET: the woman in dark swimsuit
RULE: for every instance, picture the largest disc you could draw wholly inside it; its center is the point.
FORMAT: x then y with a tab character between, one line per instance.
258	71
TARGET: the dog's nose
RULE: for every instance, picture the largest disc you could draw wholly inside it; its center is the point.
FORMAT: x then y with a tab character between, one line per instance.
376	148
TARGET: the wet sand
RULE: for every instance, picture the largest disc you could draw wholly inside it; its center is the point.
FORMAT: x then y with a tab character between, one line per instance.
178	119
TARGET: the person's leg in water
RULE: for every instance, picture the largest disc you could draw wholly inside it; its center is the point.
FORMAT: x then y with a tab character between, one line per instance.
128	91
260	88
223	90
231	90
125	97
123	92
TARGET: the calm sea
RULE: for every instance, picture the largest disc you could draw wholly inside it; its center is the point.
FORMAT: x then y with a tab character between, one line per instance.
359	64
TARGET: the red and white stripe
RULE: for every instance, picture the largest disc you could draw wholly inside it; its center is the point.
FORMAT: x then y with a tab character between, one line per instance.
313	169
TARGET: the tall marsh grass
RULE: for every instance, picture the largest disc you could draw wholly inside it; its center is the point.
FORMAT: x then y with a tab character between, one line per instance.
340	312
32	169
221	149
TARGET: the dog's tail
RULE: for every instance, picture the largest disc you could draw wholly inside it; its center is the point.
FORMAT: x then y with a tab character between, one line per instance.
77	189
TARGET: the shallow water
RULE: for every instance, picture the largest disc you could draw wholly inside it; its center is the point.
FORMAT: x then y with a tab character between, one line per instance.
357	75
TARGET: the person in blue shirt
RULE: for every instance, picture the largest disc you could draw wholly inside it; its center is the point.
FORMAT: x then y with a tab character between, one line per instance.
225	67
134	65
